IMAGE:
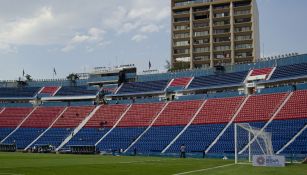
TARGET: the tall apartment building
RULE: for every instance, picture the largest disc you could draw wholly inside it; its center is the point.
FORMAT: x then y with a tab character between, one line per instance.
211	32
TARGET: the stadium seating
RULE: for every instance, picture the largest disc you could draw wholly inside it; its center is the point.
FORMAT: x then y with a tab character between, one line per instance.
218	80
260	107
224	93
48	91
218	110
37	122
76	91
69	120
98	125
290	71
296	107
171	121
142	87
263	71
25	92
10	118
139	117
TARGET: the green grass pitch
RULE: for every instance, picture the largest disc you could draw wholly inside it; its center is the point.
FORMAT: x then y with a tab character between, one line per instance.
52	164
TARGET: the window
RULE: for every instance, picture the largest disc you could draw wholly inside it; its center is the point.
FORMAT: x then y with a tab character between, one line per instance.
201	49
243	37
203	33
181	51
222	39
182	35
222	48
182	27
244	46
242	29
201	25
182	43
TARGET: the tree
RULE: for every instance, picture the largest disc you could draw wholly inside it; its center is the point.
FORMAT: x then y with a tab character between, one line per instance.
180	65
73	78
28	77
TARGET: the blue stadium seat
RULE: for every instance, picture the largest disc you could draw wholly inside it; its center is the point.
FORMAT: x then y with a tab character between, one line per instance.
290	71
141	87
76	91
25	92
119	138
218	80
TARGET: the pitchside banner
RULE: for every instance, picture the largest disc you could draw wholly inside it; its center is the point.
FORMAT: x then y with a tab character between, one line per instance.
269	161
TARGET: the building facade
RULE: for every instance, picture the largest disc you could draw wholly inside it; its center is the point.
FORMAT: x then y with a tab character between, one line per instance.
206	33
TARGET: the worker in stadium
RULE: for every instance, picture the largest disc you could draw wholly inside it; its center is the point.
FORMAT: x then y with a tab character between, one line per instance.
182	151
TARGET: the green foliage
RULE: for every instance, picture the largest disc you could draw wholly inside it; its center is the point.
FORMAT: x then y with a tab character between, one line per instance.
177	66
73	77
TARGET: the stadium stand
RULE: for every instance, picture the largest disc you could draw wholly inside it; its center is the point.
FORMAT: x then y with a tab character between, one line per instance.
76	91
33	126
142	87
290	71
228	79
69	120
24	92
143	115
98	125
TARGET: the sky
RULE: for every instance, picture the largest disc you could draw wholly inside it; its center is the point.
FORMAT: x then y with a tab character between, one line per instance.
76	35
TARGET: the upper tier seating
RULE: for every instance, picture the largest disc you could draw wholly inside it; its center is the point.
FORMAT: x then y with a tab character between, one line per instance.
218	80
218	110
48	91
178	113
180	81
264	71
290	71
141	115
296	107
260	107
141	87
76	91
25	92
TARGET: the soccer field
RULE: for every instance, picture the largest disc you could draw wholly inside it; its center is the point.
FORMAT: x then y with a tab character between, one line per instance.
47	164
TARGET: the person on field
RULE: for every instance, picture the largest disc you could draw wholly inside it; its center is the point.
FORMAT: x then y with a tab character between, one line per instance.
182	151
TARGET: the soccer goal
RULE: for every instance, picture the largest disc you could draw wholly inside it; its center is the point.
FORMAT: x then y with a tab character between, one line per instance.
251	141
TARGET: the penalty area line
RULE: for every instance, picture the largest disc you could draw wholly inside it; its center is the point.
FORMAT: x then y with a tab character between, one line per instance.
206	169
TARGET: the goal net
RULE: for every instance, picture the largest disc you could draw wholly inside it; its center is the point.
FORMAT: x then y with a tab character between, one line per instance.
250	141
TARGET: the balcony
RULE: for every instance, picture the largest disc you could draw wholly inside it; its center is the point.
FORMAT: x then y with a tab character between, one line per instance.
191	2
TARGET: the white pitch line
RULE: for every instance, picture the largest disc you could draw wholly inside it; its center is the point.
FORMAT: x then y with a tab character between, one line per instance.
10	174
206	169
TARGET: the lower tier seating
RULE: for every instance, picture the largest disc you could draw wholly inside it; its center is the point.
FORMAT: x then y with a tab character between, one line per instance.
197	137
120	138
5	132
24	136
87	136
54	136
157	138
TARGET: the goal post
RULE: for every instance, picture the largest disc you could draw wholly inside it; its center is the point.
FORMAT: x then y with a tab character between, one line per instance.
247	146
